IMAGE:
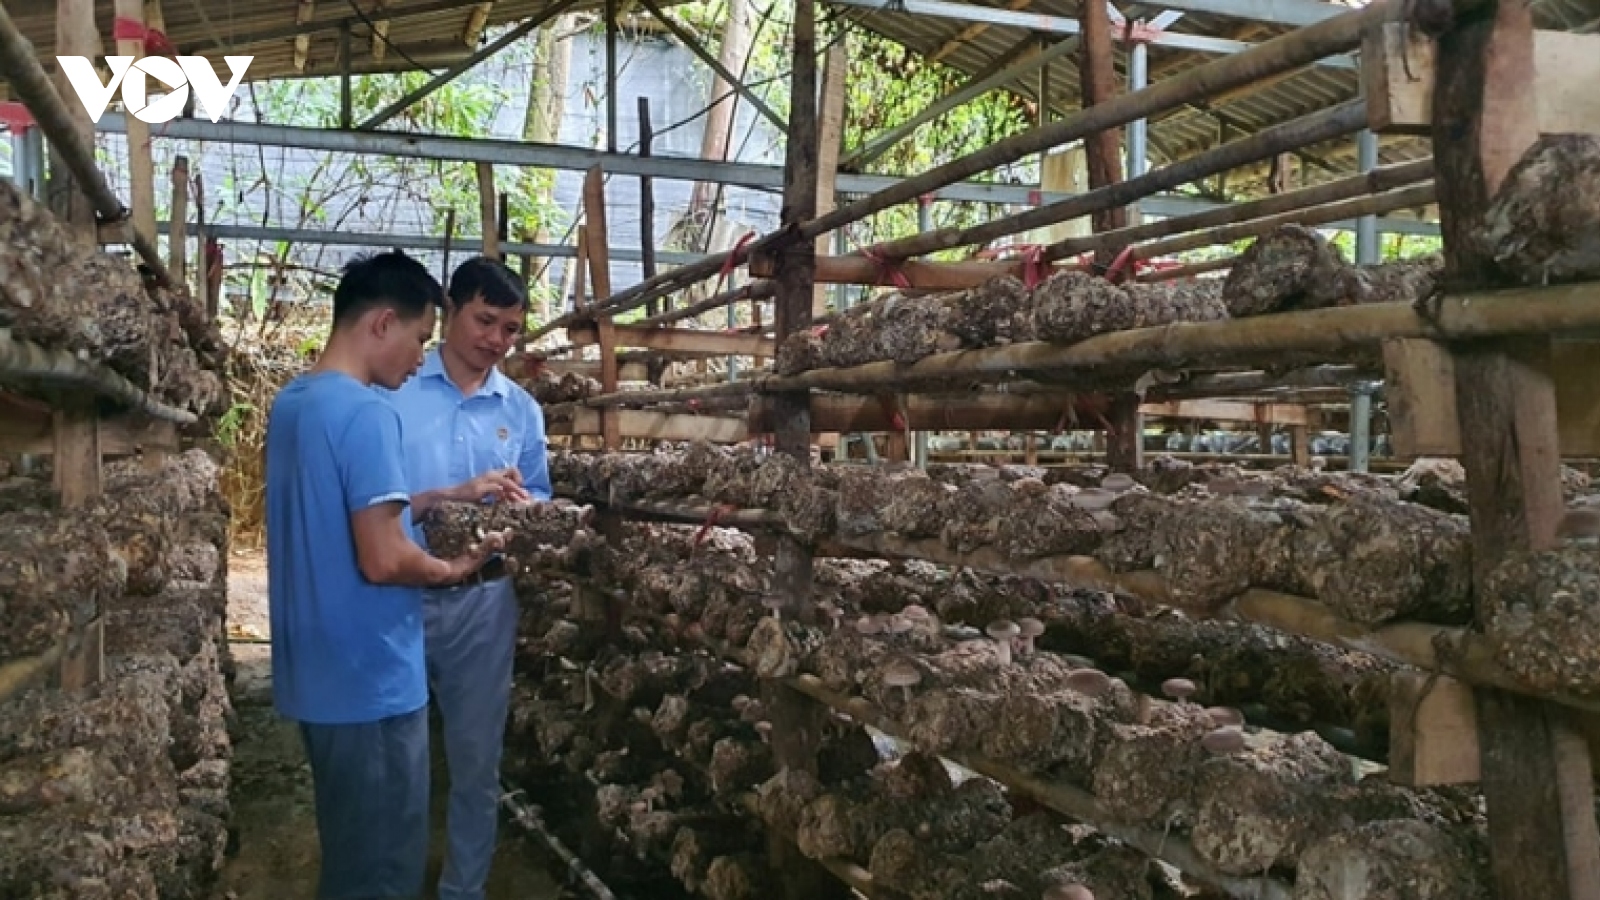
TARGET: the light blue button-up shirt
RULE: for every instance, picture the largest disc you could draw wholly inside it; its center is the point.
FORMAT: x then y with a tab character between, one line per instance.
451	438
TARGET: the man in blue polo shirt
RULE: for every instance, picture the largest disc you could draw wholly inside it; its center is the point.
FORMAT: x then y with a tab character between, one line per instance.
473	434
344	582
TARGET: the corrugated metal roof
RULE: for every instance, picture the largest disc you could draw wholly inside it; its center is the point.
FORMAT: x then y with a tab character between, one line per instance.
432	33
1190	130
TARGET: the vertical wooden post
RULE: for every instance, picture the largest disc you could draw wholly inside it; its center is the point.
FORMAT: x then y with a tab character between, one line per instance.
141	167
1125	441
178	231
76	35
1536	774
598	245
830	140
488	210
1103	150
647	203
797	722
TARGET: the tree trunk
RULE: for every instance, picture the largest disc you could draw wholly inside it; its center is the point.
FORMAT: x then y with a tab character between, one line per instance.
714	145
541	123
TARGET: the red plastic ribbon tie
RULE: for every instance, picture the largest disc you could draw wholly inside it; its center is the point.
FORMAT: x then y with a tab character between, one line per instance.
1125	264
733	260
1034	269
711	521
128	30
16	116
887	268
156	43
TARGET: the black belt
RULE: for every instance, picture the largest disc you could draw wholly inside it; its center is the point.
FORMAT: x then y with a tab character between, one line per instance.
493	570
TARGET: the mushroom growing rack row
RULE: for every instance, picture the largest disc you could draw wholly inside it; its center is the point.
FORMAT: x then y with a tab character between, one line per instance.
1438	625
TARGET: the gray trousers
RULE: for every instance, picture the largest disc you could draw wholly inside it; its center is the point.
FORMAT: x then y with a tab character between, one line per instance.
471	640
371	784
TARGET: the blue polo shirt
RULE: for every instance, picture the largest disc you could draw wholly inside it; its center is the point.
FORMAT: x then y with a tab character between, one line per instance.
344	650
451	438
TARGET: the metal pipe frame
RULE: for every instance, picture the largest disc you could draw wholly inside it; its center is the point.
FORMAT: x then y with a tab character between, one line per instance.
454	71
1368	251
416	242
966	12
575	159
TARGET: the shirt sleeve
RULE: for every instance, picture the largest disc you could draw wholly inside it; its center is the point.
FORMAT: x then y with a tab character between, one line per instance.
535	462
372	458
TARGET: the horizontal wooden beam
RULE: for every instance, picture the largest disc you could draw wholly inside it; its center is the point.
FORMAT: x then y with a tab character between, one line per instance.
1398	73
645	425
679	340
1039	412
927	276
589	368
1420	388
28	430
1228	411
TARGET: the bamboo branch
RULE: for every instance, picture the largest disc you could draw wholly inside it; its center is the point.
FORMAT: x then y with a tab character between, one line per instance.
1373	182
756	290
1404	198
1345	119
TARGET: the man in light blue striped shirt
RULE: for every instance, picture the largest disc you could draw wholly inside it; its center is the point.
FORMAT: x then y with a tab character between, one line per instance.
472	434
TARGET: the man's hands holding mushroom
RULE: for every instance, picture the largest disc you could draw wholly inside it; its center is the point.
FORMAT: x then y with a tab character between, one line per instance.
498	485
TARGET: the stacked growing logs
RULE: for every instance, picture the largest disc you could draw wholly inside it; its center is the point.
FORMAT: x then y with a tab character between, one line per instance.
950	663
56	294
120	789
1291	268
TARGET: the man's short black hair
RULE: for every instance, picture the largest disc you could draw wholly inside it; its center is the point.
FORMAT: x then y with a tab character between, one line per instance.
390	279
491	279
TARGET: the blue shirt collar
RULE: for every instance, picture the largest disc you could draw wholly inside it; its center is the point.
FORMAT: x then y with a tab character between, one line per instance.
496	385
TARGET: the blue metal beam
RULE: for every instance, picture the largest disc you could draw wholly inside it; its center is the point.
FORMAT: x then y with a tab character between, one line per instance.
553	156
967	12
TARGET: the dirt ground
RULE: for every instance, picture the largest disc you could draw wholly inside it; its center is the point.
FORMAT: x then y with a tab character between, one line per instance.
273	854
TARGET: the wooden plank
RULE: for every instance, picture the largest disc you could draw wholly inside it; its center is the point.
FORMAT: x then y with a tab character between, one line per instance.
1398	64
85	661
487	210
141	165
75	468
594	212
1419	386
647	425
1228	411
678	340
830	141
1535	770
178	236
1433	730
123	435
76	35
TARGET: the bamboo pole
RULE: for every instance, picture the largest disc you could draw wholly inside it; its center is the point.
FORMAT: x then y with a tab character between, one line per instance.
25	360
1297	48
1517	311
19	63
1404	198
1344	119
1373	182
755	290
1189	270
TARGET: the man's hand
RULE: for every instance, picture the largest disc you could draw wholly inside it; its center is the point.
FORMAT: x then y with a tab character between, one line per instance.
460	567
500	485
